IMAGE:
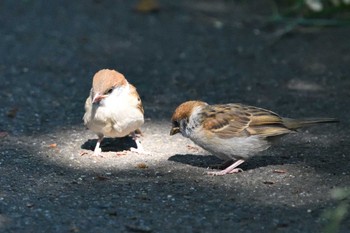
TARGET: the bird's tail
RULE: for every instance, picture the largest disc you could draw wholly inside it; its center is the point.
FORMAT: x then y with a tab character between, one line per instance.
304	122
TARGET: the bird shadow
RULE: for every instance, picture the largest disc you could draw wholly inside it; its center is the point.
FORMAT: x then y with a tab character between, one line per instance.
205	161
110	144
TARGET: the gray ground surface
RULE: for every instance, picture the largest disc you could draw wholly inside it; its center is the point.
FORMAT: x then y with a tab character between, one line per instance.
217	51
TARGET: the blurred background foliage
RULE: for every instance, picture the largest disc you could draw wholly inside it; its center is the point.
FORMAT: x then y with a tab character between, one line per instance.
312	12
335	216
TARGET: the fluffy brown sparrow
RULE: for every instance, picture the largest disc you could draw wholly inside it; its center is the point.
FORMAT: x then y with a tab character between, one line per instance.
114	108
233	131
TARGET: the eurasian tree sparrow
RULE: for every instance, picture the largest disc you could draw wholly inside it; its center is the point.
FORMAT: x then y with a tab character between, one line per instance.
233	131
114	108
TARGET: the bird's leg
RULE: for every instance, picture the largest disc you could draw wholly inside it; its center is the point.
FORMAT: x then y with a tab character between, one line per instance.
229	170
98	150
223	165
139	147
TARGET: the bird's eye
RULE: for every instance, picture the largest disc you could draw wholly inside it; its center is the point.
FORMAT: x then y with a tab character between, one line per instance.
109	91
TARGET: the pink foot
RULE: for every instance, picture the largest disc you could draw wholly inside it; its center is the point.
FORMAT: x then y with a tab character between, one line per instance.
223	172
229	170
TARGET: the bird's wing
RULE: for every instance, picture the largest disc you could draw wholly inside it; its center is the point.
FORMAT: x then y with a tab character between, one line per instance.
139	103
236	120
88	107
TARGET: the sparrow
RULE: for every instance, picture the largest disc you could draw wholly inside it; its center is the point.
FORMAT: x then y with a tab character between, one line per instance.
234	132
113	108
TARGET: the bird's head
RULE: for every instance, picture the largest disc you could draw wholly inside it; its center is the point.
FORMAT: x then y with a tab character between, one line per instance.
104	83
182	114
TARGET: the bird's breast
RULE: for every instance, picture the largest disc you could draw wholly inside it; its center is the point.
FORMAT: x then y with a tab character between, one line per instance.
229	148
114	118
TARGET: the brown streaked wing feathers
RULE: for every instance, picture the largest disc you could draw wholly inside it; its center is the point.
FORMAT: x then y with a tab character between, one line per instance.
236	120
134	92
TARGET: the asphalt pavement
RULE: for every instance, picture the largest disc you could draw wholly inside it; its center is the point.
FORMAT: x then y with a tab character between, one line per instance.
215	51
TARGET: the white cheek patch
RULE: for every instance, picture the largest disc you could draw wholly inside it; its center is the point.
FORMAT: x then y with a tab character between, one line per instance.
191	124
121	90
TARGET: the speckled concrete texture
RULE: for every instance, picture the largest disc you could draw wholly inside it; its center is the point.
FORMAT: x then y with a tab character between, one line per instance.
216	51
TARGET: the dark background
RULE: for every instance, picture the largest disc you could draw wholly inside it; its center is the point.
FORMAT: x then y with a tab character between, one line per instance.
216	51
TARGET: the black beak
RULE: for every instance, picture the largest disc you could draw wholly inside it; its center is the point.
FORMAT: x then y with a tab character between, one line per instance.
174	130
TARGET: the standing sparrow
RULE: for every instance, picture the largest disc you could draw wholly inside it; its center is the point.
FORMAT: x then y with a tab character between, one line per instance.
233	131
114	108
